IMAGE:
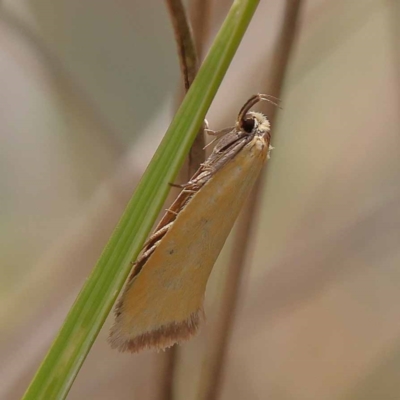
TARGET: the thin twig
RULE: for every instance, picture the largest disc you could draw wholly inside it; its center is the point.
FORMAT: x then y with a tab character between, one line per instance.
200	17
188	58
167	373
189	63
184	40
395	35
229	301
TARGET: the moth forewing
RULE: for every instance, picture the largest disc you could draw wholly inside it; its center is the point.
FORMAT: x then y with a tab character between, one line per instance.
162	302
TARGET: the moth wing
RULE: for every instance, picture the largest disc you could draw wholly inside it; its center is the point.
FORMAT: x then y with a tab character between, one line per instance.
162	305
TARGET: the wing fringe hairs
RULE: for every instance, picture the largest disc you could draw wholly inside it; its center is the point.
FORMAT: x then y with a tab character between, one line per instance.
159	339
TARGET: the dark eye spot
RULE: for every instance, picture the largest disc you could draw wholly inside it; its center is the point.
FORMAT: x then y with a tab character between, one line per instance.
248	124
171	252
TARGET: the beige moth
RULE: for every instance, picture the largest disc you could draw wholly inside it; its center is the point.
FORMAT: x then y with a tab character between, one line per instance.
162	303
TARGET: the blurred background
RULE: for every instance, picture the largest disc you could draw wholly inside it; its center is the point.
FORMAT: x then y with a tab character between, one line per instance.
88	90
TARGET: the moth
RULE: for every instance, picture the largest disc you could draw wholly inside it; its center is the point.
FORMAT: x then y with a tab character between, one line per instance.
162	303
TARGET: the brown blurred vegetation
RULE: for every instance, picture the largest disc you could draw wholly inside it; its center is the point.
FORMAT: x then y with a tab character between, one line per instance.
87	93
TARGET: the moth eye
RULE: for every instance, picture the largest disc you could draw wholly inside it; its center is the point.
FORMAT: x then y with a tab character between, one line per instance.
248	124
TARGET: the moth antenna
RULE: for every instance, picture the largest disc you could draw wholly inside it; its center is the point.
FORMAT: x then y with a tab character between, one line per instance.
254	100
272	97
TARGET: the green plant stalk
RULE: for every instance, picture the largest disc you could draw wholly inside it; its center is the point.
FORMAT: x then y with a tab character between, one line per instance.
59	368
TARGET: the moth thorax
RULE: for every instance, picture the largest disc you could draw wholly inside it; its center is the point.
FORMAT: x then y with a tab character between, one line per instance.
262	124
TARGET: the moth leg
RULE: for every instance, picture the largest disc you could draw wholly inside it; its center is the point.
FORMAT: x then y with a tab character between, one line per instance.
189	191
148	252
183	186
156	236
177	185
207	128
217	134
210	143
222	132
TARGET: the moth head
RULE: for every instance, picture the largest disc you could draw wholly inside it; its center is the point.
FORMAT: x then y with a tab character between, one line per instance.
255	123
251	122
